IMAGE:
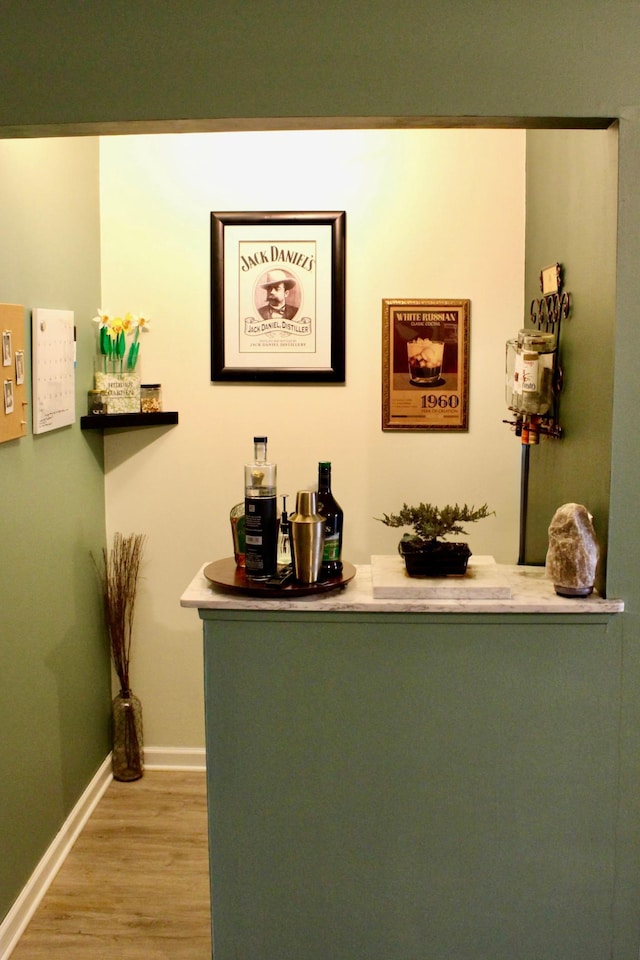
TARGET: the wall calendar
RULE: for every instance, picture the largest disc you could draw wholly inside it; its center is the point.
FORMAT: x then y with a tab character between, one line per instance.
54	357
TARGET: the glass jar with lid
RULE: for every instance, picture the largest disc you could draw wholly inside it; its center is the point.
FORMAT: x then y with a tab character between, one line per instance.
533	366
96	403
150	397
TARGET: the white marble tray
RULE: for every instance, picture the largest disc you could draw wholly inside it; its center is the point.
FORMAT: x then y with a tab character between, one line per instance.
483	580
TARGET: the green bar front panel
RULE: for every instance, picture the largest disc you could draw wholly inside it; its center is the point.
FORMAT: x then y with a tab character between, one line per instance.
411	787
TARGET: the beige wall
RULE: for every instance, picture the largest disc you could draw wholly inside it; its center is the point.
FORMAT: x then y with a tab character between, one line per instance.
429	214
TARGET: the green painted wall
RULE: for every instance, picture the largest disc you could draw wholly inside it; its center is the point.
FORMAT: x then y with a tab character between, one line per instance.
265	58
572	219
70	63
54	708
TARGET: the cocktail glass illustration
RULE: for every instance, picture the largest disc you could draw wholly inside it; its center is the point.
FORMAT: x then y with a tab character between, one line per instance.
425	360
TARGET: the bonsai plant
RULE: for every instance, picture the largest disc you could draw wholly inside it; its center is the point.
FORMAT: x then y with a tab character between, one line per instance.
425	551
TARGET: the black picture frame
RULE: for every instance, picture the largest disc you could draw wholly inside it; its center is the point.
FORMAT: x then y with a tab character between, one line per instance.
303	255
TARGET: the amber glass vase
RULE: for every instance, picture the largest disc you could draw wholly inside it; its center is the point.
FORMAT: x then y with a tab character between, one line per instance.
127	755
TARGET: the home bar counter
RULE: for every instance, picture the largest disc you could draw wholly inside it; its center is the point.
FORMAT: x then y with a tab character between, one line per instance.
411	779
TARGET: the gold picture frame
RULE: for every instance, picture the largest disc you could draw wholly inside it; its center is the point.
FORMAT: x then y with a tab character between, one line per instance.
425	364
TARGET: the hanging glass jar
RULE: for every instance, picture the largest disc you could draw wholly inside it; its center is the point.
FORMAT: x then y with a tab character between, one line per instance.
530	363
127	754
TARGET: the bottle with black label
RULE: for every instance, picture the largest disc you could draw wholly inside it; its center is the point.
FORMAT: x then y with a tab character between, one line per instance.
331	510
261	521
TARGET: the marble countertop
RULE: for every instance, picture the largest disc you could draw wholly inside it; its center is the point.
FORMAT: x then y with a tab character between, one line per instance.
531	592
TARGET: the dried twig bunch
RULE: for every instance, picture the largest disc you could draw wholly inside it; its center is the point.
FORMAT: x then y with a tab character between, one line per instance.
121	566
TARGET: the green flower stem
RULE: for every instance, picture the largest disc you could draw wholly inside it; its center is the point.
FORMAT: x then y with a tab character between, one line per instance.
105	346
120	348
132	358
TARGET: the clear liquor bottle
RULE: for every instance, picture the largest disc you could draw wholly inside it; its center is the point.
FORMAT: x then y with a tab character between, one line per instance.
330	509
261	521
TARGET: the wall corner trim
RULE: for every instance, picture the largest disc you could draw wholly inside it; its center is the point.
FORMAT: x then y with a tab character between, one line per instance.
18	917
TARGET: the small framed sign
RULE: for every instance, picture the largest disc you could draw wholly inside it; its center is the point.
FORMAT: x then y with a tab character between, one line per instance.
425	364
278	297
551	279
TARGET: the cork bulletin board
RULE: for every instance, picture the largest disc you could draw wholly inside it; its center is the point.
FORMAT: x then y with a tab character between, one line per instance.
13	406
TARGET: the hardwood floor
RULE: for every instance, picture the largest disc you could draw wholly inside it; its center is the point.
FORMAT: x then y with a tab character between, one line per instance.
136	884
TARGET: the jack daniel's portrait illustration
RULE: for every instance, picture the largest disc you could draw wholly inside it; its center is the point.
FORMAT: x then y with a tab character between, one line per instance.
282	296
277	304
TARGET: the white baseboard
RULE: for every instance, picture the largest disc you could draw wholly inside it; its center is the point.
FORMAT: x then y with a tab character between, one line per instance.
174	758
15	922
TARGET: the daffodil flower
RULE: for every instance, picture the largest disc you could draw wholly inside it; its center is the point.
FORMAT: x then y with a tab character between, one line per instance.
104	338
112	335
102	318
129	322
142	323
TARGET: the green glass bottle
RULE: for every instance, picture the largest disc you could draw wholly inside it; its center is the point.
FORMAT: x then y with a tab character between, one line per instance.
330	509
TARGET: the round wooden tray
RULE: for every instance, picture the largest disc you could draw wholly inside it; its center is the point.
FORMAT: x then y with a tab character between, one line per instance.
224	573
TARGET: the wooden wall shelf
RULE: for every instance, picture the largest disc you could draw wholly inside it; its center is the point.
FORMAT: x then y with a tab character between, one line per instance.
119	420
